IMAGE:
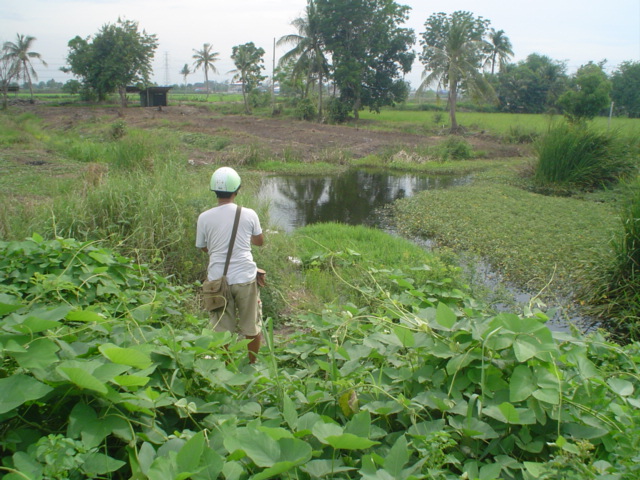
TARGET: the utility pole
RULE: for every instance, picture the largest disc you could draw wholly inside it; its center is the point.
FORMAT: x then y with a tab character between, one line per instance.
166	69
273	80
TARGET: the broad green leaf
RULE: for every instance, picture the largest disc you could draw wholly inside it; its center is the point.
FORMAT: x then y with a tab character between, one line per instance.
232	470
276	432
109	371
537	344
359	425
294	450
83	422
490	471
510	413
102	258
146	456
96	464
521	385
472	427
41	353
289	413
322	430
322	468
83	379
347	441
26	465
547	395
85	316
257	445
275	471
126	356
622	387
404	335
131	380
19	389
445	316
34	324
189	455
9	304
535	469
515	324
211	466
397	457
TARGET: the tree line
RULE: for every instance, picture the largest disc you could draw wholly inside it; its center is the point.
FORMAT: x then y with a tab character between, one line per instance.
359	52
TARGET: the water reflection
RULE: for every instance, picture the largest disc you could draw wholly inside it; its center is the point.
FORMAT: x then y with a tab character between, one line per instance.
352	197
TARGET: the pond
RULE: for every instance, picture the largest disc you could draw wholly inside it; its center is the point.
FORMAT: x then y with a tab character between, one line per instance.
358	197
355	197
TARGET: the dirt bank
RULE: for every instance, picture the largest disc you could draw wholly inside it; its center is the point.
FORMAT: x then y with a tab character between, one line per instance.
276	134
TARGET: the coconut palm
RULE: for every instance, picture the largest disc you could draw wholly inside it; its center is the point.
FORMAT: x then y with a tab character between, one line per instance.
499	49
453	49
248	61
307	53
204	59
20	54
185	72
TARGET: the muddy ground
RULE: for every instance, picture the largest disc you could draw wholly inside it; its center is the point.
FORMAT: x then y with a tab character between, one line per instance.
307	140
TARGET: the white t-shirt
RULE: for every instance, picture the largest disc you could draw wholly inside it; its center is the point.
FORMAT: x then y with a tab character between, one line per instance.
214	232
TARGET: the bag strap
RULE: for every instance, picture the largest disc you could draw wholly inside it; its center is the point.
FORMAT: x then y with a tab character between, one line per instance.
233	239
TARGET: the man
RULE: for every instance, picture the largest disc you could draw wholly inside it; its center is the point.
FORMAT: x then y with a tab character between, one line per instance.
242	313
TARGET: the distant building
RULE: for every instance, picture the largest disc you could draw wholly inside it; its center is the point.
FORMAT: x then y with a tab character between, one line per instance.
151	96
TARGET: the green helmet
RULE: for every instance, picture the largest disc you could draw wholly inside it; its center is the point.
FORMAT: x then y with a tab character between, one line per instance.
225	179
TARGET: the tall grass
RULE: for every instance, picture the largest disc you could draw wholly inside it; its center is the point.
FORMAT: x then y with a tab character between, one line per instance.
619	290
578	155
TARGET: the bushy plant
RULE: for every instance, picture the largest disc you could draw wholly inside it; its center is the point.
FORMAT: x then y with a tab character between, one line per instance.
581	156
422	384
339	111
306	109
454	148
618	290
118	129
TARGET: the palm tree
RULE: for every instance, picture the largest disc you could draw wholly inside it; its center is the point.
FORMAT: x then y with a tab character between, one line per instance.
185	72
20	55
454	60
248	61
307	54
204	59
499	48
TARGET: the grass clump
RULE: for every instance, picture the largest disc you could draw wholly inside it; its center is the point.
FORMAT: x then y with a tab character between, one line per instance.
618	292
581	156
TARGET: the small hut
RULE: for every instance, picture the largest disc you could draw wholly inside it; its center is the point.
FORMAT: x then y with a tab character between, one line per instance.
154	96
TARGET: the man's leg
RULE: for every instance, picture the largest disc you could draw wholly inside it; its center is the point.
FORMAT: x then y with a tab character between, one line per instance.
250	317
254	346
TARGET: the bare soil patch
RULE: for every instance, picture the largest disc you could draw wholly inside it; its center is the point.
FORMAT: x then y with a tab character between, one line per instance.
278	135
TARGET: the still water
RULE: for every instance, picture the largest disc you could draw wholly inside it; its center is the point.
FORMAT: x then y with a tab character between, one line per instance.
357	197
354	197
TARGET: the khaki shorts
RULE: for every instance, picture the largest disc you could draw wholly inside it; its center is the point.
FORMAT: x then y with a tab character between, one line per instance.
243	313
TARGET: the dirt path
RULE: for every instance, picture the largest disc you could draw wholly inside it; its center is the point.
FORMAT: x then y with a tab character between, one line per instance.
276	134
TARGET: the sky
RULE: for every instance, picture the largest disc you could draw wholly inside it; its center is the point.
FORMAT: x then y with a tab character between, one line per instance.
572	31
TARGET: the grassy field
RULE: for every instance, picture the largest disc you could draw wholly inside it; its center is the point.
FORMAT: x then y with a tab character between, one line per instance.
508	125
388	367
134	190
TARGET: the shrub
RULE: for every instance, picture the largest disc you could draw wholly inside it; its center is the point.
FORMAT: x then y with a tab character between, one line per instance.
306	110
454	148
579	155
338	111
620	292
118	129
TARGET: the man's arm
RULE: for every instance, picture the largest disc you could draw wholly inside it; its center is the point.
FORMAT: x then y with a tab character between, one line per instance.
257	240
205	249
